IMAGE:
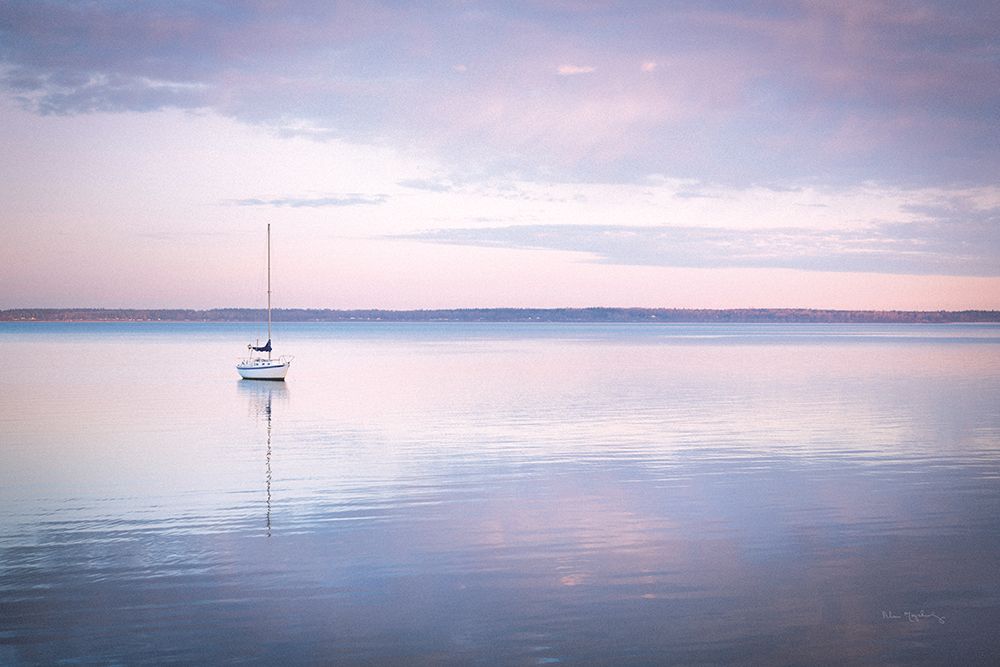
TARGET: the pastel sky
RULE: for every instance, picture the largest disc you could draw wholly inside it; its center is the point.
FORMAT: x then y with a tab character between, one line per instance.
525	153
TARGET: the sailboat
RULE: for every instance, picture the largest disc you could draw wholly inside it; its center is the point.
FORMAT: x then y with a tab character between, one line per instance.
256	366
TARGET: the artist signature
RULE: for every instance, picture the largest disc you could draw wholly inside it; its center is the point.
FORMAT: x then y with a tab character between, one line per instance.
912	617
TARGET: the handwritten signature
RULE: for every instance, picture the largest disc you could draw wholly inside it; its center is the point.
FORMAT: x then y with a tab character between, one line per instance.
912	617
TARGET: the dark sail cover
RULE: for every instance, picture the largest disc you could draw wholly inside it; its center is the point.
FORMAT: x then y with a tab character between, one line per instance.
265	348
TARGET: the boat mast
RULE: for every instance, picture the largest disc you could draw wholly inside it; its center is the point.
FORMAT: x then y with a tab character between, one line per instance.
269	289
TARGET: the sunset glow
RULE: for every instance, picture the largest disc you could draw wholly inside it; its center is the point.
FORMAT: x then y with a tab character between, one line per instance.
465	154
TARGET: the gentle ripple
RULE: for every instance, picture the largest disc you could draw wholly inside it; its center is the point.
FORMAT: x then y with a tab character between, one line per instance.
446	493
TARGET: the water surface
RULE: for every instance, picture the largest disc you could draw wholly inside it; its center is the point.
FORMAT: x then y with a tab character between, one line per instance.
501	494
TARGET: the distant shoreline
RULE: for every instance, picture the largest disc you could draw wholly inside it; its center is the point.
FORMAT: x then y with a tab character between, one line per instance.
581	315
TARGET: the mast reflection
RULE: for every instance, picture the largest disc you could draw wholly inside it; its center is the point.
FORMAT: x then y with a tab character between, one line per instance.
261	399
267	464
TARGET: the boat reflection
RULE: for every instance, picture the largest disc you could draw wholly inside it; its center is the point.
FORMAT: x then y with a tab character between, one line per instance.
260	407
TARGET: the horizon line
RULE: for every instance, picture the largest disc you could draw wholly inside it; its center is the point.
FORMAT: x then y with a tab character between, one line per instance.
610	314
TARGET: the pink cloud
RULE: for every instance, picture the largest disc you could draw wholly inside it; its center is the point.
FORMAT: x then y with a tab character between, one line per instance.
739	78
567	70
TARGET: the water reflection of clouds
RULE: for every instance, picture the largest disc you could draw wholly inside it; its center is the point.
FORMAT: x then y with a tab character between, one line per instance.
573	401
538	500
701	567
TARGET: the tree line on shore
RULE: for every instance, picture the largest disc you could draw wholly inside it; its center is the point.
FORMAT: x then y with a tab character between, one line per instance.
744	315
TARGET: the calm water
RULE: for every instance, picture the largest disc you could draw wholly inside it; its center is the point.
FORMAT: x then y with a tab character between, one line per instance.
501	494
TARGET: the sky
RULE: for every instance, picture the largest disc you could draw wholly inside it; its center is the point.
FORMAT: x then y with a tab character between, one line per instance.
524	153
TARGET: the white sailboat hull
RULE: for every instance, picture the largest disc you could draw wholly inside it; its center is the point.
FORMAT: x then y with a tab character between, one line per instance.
263	369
